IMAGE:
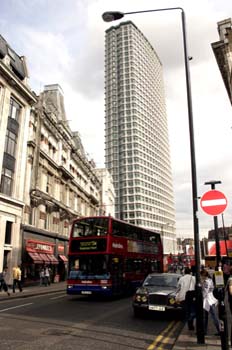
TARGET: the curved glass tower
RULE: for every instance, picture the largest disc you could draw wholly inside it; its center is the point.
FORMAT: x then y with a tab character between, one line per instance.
136	132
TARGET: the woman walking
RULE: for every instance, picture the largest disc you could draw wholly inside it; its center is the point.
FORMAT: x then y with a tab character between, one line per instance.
209	301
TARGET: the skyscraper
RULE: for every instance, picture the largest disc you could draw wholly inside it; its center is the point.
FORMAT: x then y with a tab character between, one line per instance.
136	132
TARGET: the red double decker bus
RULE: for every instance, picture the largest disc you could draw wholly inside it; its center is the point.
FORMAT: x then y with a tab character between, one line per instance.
110	257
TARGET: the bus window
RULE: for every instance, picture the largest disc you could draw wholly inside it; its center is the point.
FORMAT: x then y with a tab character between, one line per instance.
90	267
78	230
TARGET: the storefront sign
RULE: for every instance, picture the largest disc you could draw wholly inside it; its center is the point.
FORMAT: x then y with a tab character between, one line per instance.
60	248
39	247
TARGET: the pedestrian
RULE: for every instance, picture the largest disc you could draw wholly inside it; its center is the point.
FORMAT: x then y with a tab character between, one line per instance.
41	276
47	276
228	289
209	301
17	274
226	271
3	284
186	296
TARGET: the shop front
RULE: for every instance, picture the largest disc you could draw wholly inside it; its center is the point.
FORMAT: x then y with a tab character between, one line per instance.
41	248
37	255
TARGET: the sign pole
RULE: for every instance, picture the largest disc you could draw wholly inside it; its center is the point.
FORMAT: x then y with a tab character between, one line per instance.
220	288
218	250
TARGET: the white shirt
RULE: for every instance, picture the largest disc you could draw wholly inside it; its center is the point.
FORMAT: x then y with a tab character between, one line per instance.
207	291
185	283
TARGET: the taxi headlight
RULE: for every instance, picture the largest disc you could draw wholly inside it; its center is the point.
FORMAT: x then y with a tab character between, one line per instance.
172	301
144	299
141	298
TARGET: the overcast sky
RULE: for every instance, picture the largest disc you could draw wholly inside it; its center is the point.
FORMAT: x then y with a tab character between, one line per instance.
63	42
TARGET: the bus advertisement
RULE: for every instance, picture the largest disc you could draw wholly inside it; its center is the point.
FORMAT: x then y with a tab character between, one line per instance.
110	257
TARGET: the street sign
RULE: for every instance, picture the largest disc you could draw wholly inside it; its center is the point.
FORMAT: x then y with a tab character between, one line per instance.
213	202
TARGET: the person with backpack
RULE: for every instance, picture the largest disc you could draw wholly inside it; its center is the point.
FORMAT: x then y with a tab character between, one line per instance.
186	296
3	284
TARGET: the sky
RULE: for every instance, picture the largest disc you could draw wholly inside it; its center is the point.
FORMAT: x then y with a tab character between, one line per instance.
63	42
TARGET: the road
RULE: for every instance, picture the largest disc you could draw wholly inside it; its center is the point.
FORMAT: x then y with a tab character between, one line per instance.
57	322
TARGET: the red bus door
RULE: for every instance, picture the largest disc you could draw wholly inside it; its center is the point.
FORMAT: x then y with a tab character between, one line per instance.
117	275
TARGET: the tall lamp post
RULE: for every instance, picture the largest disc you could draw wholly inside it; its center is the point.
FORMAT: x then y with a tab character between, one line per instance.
110	16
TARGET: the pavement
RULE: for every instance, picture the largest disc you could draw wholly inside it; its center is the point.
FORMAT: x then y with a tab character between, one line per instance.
33	291
187	340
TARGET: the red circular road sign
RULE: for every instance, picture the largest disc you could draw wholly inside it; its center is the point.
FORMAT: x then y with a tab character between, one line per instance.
213	202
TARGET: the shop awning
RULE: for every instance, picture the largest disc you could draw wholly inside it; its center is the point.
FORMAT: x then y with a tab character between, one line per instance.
63	257
52	259
45	258
36	258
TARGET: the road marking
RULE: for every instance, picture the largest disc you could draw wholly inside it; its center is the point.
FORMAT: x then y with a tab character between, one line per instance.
162	338
60	296
15	307
166	340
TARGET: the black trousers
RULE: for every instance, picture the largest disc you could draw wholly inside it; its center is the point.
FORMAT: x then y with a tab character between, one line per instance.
17	283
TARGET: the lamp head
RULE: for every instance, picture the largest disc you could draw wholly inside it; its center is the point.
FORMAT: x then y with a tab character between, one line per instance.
110	16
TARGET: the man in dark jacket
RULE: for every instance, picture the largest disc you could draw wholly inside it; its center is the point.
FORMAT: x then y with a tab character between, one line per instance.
3	284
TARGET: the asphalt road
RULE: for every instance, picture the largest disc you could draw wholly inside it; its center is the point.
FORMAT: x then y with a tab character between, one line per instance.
56	321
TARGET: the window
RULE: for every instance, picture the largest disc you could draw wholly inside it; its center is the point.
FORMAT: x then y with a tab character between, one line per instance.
14	110
10	143
8	232
6	181
49	183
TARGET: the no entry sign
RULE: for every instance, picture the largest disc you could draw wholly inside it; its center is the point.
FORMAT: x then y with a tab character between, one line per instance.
213	202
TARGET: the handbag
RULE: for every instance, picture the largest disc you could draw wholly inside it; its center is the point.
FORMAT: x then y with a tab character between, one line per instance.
190	294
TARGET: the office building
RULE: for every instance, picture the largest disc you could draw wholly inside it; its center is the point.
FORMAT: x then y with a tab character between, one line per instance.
136	132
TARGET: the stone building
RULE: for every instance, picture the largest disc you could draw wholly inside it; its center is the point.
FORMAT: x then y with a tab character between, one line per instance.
60	185
16	99
107	192
223	53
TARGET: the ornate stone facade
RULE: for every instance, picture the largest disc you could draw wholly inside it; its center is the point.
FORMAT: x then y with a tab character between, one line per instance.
16	99
61	183
223	53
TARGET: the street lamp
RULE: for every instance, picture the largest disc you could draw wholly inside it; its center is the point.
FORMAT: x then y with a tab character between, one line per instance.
115	15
